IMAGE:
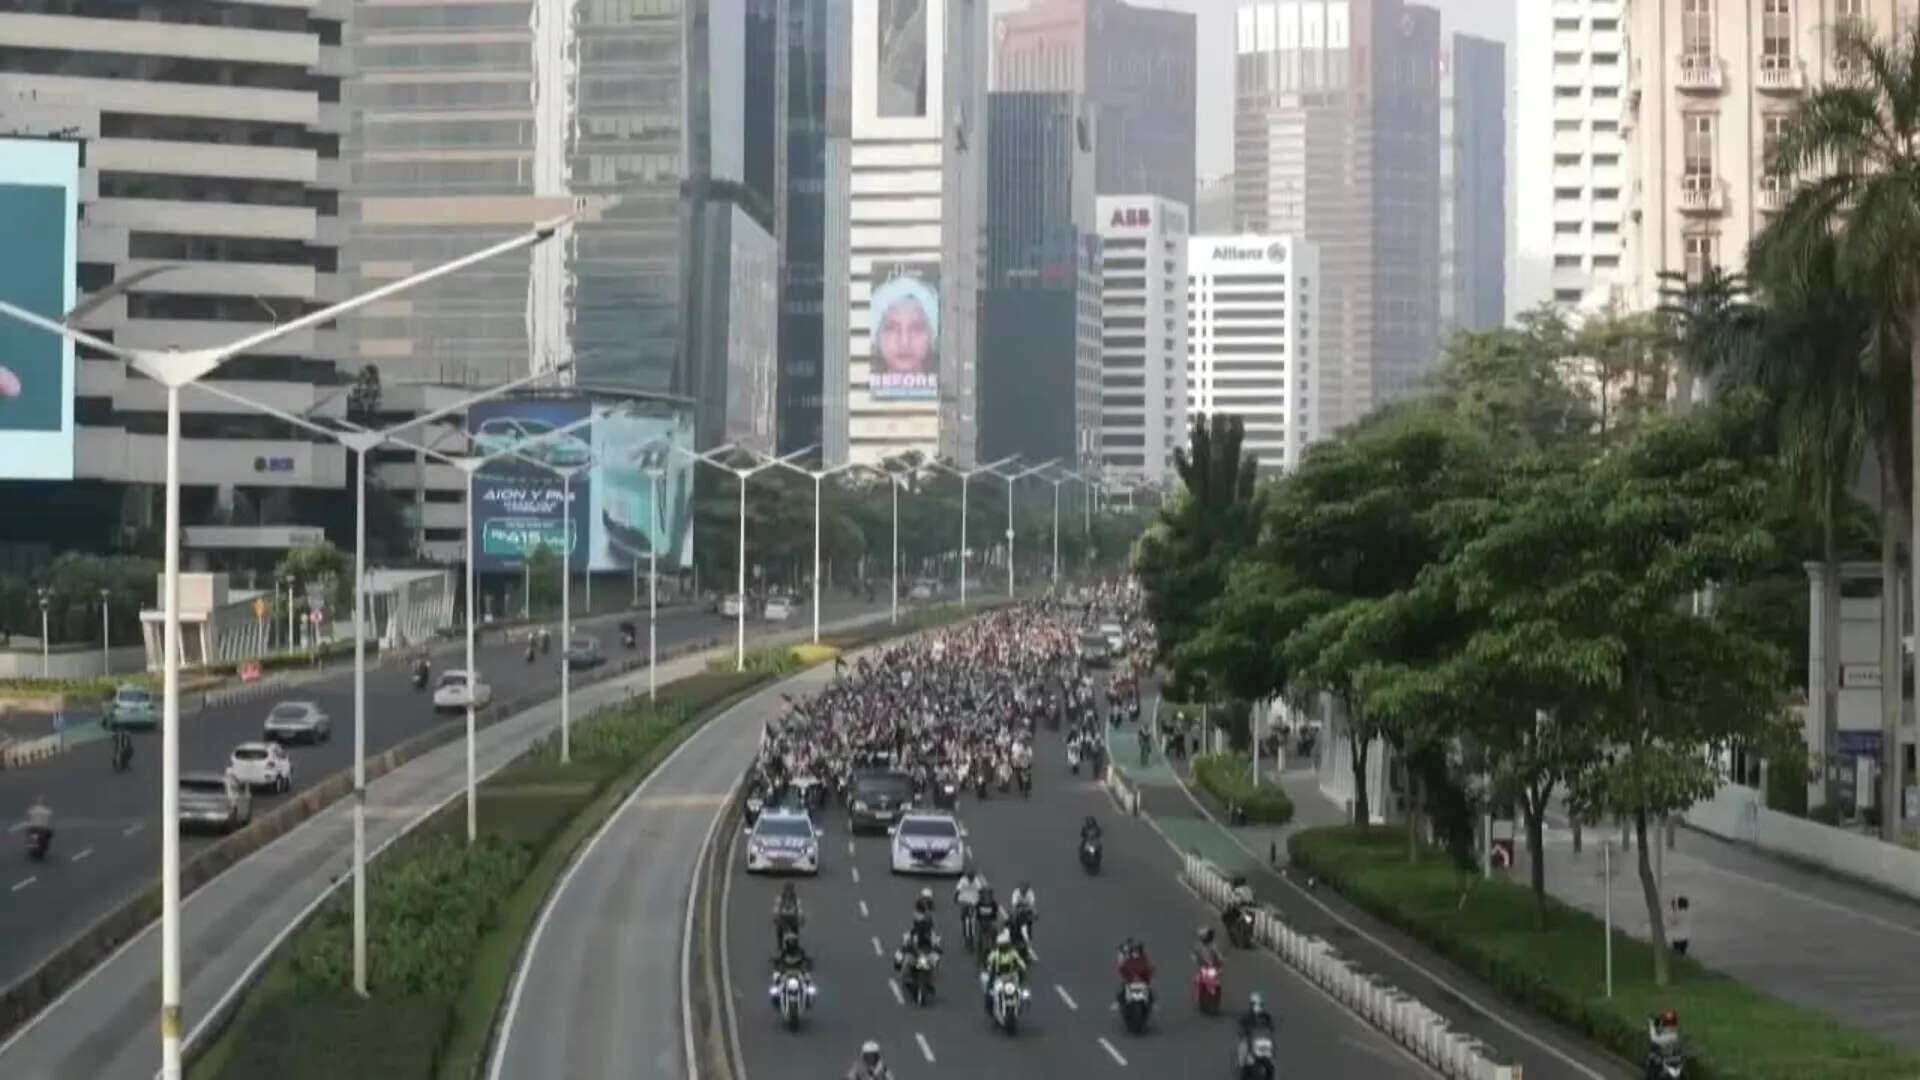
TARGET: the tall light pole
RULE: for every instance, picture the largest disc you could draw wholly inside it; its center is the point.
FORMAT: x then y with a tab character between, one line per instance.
361	441
654	475
743	473
966	476
46	649
1013	478
817	475
174	369
1056	481
106	634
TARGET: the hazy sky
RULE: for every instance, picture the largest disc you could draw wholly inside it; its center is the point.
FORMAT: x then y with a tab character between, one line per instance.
1487	18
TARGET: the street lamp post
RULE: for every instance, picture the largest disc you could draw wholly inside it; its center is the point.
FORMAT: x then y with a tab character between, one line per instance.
966	476
1056	481
654	475
174	369
46	650
743	473
817	476
1012	479
106	634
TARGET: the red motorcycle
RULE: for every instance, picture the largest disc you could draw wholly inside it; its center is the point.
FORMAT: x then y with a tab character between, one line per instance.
1206	989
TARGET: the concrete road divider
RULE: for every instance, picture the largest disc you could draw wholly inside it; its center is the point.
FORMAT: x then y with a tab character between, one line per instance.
1423	1032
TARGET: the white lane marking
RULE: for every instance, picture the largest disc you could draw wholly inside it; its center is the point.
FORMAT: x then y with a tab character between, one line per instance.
876	948
1112	1053
133	828
894	985
16	826
1062	991
850	847
23	883
925	1050
856	875
863	909
78	855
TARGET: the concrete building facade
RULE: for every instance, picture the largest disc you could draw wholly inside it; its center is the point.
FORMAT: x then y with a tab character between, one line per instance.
1143	361
1255	314
1474	176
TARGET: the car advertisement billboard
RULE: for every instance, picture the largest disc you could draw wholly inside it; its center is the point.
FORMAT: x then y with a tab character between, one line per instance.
903	328
605	519
39	193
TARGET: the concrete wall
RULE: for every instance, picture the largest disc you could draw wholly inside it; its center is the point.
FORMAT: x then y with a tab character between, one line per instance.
1739	813
66	663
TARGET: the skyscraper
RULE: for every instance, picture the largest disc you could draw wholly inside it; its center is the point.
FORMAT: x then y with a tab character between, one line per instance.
1337	141
813	75
1143	359
1254	303
1475	150
1039	312
1135	67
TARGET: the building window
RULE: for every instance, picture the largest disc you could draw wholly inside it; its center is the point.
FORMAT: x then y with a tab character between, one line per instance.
1854	12
1776	35
1606	58
1566	125
1605	126
1566	91
1699	255
1605	92
1567	193
1566	58
1697	138
1603	26
1567	24
1566	159
1696	31
1567	261
1771	127
1606	161
1560	296
1565	228
1606	262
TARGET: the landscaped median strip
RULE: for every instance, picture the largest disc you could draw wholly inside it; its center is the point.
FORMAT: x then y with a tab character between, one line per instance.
447	921
1733	1031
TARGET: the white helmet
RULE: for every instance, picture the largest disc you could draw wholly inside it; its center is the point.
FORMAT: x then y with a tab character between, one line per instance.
1005	938
870	1047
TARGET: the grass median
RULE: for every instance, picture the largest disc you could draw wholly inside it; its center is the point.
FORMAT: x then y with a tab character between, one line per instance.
1228	777
446	921
1734	1032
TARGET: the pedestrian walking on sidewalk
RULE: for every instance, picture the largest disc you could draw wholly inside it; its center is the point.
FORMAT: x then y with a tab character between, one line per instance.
1679	925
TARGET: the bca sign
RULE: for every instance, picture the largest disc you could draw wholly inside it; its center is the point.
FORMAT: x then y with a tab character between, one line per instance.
1131	217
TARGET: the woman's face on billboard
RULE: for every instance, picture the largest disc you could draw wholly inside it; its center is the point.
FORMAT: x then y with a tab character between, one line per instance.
906	338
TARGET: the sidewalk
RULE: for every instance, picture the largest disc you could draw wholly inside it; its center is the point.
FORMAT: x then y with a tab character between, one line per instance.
1544	1051
1824	943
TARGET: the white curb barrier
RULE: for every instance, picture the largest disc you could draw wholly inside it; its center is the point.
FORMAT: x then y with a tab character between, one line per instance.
1405	1020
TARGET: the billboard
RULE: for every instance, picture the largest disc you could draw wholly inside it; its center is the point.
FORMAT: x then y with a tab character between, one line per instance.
606	518
903	332
901	86
39	201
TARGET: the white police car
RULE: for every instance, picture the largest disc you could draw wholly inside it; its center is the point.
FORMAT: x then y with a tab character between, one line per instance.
783	841
929	843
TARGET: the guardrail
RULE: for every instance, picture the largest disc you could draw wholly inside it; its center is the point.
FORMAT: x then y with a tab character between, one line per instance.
1126	795
1400	1017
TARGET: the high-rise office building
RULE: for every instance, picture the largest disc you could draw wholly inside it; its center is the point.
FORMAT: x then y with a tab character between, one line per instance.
1571	172
917	183
1474	181
1255	330
1040	296
1337	142
1213	205
1143	360
204	158
1136	68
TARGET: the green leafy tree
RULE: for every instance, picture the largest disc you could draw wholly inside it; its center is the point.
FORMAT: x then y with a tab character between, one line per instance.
321	564
1183	558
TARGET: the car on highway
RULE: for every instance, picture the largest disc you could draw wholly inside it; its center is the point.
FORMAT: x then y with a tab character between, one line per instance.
877	798
923	589
779	608
783	841
728	606
131	707
929	843
297	721
503	433
1116	638
211	800
1095	649
262	765
584	652
456	688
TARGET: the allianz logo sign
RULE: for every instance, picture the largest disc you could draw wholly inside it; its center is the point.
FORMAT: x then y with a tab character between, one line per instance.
1274	252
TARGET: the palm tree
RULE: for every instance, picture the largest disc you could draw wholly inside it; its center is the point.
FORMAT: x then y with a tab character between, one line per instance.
1862	139
1708	320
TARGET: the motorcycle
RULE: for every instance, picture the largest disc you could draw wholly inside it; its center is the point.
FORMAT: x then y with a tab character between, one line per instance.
792	995
546	641
1136	1006
1206	989
985	930
1256	1059
1073	756
1239	922
1009	1001
1024	777
1090	853
38	841
755	804
627	635
531	651
1666	1057
946	794
420	675
122	755
980	783
969	927
1005	773
916	978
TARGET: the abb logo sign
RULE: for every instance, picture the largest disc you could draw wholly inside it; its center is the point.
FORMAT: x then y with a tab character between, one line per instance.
1136	217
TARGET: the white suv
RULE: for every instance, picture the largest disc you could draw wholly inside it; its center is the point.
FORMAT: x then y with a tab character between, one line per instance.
451	692
262	765
783	840
929	843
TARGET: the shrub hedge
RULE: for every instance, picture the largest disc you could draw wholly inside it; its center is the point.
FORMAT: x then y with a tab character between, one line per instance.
1734	1032
1228	777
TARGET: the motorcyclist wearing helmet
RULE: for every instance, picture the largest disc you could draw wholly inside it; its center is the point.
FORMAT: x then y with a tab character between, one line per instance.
986	911
1134	967
787	914
1089	829
791	958
966	891
1204	953
1255	1021
1003	959
868	1065
923	904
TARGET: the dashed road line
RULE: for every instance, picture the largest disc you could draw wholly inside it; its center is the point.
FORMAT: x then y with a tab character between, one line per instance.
81	854
876	948
850	847
898	997
16	827
925	1050
23	883
133	828
1112	1053
856	875
1064	996
863	909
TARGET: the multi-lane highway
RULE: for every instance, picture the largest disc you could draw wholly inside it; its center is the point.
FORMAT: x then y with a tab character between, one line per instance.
107	824
856	911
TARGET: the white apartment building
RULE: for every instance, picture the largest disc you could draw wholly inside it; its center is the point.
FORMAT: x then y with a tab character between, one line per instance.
210	147
917	208
1571	159
1143	380
1711	83
1252	304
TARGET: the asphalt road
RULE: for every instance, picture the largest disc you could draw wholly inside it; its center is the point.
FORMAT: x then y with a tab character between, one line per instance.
600	993
107	846
856	911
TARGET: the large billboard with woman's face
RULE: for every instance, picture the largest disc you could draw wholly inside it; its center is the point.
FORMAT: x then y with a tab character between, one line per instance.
901	89
903	326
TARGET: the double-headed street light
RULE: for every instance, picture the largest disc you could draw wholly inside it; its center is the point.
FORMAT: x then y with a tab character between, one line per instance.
817	475
966	476
174	369
1013	478
743	473
896	478
1065	475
